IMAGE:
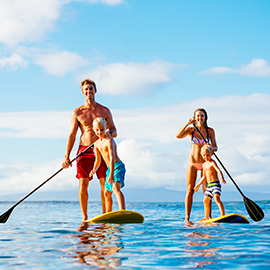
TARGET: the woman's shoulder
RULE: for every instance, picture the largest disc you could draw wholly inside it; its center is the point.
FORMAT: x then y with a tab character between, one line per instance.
211	130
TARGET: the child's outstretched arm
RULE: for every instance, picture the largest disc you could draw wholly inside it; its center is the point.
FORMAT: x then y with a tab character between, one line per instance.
196	188
97	162
220	173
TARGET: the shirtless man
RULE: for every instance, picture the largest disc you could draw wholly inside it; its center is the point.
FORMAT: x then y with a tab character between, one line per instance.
82	118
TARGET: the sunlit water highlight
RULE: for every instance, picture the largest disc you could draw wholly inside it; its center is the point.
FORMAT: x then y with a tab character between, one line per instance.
48	235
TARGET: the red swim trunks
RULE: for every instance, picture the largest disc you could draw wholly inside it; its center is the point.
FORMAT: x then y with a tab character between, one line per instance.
86	162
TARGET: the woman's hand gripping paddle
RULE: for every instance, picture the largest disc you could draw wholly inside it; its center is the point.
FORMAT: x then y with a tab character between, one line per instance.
254	211
4	217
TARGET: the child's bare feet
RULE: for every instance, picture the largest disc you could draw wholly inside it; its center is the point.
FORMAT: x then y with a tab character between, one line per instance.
205	218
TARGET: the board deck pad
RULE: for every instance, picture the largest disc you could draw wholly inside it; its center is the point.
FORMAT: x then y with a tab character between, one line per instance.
230	218
119	217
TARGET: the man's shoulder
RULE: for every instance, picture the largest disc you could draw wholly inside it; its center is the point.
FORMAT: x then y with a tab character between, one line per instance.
100	106
79	110
102	111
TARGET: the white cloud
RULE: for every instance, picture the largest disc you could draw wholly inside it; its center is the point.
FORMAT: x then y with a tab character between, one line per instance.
131	78
27	20
256	68
147	143
147	168
60	63
47	124
32	175
13	62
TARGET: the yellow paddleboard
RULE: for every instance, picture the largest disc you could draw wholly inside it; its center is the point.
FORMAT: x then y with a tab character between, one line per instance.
231	218
119	216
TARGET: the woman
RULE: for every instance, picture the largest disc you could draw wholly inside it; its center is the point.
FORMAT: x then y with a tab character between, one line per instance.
195	158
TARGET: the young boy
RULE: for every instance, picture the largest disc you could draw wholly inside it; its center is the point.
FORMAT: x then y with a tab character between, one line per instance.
105	146
210	175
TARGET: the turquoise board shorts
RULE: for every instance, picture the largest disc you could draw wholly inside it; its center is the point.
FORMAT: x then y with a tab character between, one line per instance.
119	175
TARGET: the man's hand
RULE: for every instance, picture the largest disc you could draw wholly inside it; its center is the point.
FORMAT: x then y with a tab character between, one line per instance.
109	132
92	173
66	163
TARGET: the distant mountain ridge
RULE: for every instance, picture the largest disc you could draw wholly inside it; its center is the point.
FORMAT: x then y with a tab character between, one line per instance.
132	195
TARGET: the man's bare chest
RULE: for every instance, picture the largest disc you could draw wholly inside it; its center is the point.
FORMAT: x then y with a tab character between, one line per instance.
87	118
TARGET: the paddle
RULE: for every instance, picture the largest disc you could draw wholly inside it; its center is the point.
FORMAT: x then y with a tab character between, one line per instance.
254	211
4	217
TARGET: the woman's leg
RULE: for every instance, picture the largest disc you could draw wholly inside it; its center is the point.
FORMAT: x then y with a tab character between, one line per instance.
191	180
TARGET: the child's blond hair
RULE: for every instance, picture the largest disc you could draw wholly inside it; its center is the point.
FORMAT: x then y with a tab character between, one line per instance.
100	122
207	148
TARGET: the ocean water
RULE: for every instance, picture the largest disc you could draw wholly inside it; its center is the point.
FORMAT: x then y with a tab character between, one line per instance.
49	235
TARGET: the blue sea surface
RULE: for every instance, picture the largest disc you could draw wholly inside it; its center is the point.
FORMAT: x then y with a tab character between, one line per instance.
49	235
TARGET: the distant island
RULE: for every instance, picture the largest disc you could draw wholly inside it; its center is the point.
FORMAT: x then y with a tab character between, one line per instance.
132	195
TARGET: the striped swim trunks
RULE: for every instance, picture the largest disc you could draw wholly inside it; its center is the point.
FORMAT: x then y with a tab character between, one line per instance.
212	189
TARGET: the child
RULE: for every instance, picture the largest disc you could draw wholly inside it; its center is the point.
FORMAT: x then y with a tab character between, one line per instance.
210	174
106	147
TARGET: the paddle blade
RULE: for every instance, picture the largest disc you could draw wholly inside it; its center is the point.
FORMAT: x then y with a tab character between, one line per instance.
254	210
4	217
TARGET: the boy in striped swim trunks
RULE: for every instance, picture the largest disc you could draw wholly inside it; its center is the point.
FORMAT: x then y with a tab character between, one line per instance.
210	175
105	147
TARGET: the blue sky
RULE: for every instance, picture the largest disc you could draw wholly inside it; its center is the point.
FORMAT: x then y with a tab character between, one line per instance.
154	63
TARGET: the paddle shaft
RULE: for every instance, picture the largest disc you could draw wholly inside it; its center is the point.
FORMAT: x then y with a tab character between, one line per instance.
34	190
220	163
254	210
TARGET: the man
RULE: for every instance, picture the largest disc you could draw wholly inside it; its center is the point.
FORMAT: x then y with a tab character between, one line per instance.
82	118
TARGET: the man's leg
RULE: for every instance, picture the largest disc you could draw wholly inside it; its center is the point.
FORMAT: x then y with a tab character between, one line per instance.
83	196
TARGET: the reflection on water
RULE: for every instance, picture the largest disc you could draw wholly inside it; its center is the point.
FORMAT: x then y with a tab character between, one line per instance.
97	242
200	246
